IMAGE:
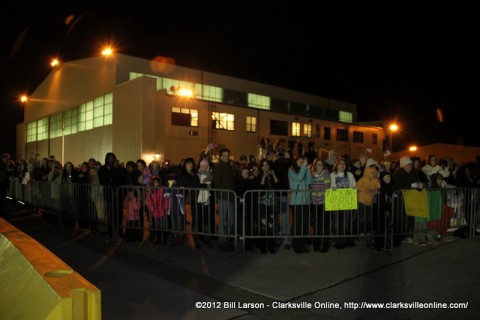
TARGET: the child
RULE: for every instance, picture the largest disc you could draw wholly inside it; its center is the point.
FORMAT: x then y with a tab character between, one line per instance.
368	187
383	217
157	206
176	210
131	205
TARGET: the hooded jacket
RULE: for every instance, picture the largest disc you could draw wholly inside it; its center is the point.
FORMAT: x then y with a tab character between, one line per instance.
367	187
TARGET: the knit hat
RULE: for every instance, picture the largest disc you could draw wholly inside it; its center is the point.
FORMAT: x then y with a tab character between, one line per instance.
371	162
404	161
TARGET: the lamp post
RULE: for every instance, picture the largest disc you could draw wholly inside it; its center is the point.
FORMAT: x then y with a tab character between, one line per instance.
393	127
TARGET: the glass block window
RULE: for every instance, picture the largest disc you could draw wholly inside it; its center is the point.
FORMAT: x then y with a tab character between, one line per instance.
258	101
31	135
209	93
42	129
56	126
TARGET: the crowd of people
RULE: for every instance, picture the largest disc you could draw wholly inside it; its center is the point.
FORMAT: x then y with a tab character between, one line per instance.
287	209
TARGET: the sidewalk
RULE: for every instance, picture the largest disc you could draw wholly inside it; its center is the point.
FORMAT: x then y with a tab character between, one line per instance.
146	281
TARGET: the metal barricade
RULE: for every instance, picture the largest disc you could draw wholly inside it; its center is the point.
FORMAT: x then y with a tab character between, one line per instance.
169	214
269	217
428	215
263	217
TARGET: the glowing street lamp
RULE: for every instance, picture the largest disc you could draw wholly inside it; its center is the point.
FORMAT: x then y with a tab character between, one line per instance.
393	127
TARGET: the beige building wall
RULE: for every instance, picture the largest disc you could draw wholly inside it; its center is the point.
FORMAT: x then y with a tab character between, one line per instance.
142	116
71	85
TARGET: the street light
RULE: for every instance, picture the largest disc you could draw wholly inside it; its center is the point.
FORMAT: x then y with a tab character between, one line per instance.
393	127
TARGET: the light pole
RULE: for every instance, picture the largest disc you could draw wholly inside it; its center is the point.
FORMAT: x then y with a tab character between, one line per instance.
393	127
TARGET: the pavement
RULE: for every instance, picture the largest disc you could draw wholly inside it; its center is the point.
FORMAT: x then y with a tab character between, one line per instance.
148	281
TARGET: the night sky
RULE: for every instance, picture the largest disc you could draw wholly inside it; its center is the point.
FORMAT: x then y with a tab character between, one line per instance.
416	64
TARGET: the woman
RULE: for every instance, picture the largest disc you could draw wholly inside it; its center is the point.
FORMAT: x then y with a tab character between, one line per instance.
190	180
85	215
269	206
321	218
69	179
342	178
300	178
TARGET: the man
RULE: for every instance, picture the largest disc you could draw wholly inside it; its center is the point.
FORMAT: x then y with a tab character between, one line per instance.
224	178
112	175
404	178
3	182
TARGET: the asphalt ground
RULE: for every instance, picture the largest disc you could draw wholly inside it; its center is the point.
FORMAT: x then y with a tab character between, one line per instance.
142	280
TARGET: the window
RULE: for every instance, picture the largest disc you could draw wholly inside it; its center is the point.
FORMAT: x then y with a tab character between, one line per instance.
98	108
317	130
296	129
374	138
42	129
223	121
357	136
31	135
345	117
85	116
342	135
258	101
108	110
209	93
177	84
56	126
326	133
279	128
307	130
251	124
235	97
70	121
184	117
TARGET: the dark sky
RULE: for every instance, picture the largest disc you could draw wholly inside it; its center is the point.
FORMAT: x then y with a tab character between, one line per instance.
417	63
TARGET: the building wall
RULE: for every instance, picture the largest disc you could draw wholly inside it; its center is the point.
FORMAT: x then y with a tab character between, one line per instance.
142	116
175	142
72	84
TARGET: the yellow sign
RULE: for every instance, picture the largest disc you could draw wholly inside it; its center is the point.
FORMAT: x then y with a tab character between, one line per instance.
416	203
341	199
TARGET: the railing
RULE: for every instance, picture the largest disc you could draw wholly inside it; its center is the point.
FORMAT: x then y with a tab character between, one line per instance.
262	216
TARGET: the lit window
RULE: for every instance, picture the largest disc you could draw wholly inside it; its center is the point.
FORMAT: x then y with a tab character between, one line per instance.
251	124
42	129
31	135
85	116
223	121
170	84
209	93
98	109
108	110
70	121
296	129
307	130
184	117
345	117
258	101
56	126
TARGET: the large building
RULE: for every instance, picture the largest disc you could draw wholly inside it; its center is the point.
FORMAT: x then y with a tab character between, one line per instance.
146	109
